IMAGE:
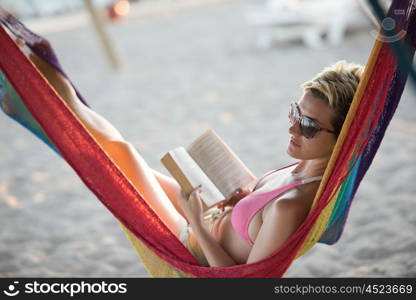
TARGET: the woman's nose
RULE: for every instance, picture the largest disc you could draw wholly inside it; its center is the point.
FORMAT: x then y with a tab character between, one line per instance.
294	128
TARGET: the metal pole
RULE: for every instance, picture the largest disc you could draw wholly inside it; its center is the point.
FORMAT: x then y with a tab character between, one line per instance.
103	36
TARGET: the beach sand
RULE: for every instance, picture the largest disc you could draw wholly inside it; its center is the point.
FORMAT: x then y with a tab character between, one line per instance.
185	72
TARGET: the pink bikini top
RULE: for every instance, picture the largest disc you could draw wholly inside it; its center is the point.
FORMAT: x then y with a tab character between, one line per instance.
246	208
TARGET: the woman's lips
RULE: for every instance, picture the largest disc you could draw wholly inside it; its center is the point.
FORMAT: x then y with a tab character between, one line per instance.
294	143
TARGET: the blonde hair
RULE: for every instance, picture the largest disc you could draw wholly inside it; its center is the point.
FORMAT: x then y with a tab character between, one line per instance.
336	85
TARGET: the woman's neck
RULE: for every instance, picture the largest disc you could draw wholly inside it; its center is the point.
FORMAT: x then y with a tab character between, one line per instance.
310	168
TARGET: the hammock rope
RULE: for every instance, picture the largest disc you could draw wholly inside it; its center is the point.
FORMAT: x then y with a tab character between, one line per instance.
161	252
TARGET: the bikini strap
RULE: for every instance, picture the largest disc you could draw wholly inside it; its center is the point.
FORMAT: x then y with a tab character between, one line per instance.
311	179
270	172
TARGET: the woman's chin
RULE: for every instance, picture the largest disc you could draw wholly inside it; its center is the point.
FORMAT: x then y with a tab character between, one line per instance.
289	151
292	152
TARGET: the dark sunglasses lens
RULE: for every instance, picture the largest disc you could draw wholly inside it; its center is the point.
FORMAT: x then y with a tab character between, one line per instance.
309	128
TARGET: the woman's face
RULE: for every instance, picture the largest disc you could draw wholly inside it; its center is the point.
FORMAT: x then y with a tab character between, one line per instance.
322	144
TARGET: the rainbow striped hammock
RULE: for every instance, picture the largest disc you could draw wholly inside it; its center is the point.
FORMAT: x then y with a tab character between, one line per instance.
41	110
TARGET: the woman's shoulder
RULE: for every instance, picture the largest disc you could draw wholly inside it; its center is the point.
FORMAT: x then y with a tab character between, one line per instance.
297	201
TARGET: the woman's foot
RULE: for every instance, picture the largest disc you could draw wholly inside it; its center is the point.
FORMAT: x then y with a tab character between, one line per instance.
61	85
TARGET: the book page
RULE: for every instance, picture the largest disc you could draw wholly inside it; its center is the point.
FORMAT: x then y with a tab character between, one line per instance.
220	163
195	176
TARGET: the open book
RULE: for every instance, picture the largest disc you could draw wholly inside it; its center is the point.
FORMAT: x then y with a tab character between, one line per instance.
210	162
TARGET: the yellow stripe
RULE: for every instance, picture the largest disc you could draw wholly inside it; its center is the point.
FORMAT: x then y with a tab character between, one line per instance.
154	265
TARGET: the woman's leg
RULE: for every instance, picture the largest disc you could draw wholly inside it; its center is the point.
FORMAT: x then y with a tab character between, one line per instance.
159	191
143	178
111	140
171	188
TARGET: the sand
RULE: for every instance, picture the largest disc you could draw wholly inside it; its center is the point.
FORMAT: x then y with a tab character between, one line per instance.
185	72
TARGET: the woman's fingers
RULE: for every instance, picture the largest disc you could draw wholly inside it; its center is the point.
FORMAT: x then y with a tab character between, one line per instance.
196	190
192	205
195	193
183	198
236	196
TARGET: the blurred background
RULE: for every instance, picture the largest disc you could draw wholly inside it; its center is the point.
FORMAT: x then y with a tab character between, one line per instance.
163	71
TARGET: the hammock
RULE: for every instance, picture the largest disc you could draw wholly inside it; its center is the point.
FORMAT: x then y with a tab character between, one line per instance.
40	109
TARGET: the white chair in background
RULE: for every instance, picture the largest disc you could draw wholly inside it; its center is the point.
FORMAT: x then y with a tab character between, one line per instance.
306	20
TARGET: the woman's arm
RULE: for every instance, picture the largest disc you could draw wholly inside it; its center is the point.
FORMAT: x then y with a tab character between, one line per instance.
215	254
193	209
281	221
238	194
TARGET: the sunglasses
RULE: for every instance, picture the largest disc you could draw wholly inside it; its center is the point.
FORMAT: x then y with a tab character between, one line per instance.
308	127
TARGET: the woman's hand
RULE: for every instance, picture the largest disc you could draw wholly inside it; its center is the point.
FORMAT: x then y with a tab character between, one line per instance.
238	194
192	206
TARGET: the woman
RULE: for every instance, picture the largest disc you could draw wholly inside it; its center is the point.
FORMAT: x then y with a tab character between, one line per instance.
252	224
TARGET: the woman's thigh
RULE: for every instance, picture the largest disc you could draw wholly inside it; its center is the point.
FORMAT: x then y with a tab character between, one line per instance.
171	187
155	189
